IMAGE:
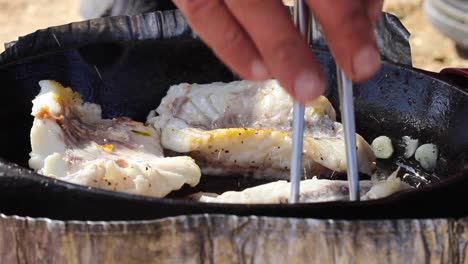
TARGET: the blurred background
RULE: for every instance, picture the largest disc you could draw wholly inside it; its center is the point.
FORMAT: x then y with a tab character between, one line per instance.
431	50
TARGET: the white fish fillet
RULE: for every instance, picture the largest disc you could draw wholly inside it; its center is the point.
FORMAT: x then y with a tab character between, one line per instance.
313	190
245	127
71	142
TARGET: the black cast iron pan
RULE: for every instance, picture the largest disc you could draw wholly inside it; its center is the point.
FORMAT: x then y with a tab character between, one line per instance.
128	74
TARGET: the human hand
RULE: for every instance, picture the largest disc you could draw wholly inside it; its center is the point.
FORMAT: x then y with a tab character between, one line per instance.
258	40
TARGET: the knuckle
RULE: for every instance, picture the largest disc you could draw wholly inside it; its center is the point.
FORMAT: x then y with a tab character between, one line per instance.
231	52
234	48
355	21
283	51
233	39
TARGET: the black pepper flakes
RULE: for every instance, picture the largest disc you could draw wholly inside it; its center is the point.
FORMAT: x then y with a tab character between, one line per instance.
227	151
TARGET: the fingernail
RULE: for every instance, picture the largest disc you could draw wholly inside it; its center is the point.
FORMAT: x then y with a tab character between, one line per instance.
259	70
308	86
366	62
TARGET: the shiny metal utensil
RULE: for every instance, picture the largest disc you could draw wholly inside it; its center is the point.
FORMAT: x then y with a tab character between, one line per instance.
345	89
306	24
302	20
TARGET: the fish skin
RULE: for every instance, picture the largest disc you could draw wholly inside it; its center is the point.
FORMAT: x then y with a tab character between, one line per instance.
71	142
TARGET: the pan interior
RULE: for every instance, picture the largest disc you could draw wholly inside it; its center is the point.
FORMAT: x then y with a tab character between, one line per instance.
130	79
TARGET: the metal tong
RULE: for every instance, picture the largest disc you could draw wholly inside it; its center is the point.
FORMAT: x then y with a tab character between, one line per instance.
306	25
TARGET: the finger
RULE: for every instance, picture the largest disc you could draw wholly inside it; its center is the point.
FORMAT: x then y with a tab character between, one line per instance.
216	26
374	9
348	31
283	49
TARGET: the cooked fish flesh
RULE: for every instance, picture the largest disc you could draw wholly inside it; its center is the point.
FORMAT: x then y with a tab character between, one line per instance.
313	190
71	142
244	127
